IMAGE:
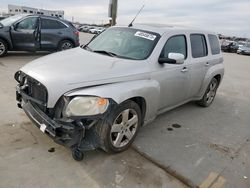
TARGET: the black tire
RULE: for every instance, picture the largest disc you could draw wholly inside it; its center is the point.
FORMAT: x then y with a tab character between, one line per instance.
205	102
3	48
104	128
77	154
65	45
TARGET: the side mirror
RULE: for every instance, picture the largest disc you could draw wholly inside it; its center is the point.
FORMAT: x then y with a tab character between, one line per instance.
173	58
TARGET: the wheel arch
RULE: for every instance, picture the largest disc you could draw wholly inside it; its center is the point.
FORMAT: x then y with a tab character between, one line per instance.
141	103
218	77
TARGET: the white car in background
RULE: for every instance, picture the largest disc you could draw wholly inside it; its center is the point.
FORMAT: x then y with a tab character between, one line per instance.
97	30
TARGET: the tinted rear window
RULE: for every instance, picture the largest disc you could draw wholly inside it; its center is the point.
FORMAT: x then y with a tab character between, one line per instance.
198	45
52	24
214	44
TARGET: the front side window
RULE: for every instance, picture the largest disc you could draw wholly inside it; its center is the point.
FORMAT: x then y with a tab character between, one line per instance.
52	24
198	45
175	44
126	43
27	24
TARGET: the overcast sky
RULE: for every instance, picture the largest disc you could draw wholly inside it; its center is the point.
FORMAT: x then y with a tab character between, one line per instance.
223	16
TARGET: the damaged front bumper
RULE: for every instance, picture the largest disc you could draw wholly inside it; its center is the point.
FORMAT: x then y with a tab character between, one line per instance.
66	132
62	132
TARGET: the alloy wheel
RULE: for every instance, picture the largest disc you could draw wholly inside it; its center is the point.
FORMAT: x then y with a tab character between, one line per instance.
2	48
211	91
124	128
66	45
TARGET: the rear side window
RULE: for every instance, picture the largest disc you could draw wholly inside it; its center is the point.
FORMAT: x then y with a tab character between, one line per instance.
52	24
175	44
214	44
198	45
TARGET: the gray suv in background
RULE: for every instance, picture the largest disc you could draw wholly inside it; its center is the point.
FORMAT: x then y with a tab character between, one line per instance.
36	33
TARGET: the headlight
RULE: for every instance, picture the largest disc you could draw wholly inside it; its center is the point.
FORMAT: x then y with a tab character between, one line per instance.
86	106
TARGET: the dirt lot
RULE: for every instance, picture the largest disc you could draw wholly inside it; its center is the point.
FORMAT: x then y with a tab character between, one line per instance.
210	148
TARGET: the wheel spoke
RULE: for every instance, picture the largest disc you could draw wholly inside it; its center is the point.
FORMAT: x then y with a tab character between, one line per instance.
212	94
118	139
133	121
116	128
208	95
211	87
128	134
125	115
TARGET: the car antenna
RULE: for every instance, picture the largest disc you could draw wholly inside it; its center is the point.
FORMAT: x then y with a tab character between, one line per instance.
131	23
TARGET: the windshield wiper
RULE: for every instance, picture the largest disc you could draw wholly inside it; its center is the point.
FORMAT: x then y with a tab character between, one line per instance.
86	47
106	52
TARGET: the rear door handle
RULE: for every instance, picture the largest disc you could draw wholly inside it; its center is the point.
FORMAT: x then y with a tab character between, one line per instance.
185	69
59	33
207	64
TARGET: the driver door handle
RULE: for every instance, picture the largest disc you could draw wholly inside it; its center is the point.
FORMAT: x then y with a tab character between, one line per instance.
185	69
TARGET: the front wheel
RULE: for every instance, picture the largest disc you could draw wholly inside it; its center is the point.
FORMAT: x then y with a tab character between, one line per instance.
3	48
125	121
210	93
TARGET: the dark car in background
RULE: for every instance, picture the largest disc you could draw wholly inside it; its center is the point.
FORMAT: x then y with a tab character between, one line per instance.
229	46
36	33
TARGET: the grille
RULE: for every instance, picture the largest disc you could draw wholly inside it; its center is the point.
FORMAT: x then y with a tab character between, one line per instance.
35	90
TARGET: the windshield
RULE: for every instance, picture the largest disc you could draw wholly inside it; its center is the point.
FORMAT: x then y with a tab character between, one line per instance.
126	43
10	20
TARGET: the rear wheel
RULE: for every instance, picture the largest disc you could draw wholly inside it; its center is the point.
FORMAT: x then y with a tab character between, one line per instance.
126	120
3	48
65	45
210	93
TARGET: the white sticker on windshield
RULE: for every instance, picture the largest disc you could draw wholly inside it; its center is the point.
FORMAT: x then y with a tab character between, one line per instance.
145	35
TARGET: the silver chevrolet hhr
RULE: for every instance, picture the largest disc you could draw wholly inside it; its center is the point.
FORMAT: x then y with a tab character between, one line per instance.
100	94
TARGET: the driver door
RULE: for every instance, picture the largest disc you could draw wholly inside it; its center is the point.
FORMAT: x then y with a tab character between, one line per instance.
26	34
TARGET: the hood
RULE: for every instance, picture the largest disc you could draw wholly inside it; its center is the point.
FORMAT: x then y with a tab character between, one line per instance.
78	68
